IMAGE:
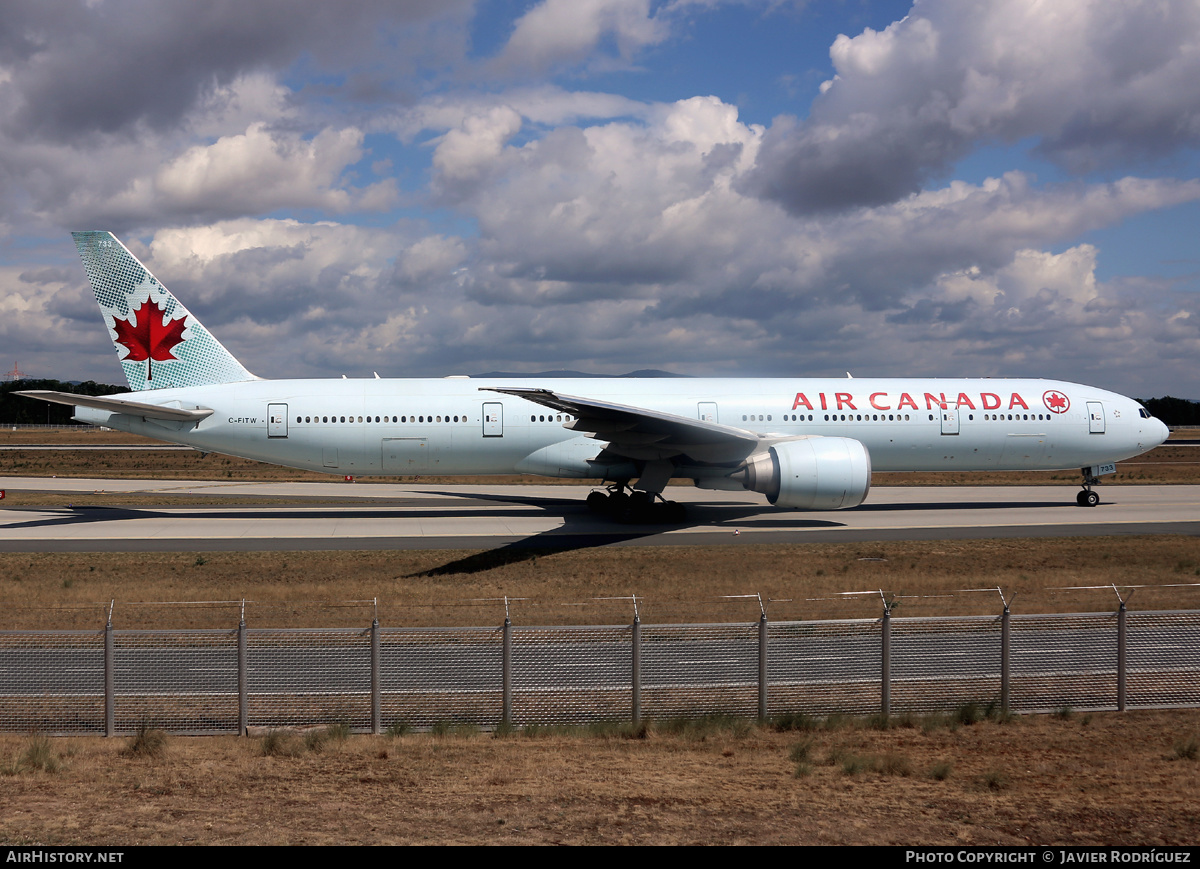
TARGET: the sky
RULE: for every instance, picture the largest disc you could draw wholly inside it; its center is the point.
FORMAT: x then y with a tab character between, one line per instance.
708	187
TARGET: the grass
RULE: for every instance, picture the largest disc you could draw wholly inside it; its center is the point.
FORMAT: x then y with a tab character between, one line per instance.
37	755
984	784
1187	748
147	742
279	743
941	770
425	588
704	727
801	751
793	721
994	780
454	729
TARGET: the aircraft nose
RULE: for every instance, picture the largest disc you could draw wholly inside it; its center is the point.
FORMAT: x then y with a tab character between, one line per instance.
1163	431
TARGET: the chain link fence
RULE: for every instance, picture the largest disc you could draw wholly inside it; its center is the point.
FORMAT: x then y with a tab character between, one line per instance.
112	681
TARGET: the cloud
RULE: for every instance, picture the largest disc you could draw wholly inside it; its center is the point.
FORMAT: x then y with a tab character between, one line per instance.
122	65
545	105
465	153
561	32
1094	83
259	171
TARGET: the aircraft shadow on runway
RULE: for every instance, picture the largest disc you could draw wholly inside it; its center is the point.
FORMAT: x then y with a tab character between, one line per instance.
583	529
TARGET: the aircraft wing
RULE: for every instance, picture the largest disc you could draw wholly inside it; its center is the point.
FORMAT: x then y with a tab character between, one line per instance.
638	433
120	405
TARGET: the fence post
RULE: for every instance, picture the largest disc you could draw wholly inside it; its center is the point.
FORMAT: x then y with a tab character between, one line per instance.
1005	658
506	671
886	662
1121	658
762	661
110	711
636	666
243	698
375	698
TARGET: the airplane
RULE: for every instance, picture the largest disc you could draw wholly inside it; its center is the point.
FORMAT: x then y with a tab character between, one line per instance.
804	443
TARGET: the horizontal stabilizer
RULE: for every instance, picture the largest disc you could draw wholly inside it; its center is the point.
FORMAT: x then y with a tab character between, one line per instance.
120	405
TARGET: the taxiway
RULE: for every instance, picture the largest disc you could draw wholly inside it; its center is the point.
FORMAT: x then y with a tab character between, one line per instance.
365	515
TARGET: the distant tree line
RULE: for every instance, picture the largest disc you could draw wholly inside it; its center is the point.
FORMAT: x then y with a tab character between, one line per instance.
1174	411
19	410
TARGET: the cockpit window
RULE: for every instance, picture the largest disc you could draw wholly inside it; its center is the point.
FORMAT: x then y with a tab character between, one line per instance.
1144	414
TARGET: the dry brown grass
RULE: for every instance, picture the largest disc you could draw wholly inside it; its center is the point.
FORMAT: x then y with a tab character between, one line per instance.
673	584
1107	778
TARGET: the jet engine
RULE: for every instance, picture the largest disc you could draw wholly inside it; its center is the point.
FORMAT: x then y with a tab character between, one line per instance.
815	473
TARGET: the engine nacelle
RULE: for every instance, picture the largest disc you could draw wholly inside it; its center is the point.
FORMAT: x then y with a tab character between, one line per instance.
815	473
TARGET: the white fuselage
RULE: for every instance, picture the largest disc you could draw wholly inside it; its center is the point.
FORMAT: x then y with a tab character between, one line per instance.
454	426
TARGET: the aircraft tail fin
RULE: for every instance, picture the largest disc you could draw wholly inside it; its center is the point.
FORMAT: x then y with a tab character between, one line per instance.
159	343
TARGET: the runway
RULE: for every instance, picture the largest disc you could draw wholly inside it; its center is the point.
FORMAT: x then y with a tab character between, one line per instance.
342	516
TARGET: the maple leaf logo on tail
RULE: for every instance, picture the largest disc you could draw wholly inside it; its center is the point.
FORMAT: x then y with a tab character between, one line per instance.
147	323
148	335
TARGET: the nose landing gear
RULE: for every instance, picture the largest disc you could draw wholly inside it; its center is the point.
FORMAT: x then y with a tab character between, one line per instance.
1088	498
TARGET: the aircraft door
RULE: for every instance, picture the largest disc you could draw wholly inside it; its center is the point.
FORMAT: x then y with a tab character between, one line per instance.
706	411
1095	417
493	419
950	421
277	424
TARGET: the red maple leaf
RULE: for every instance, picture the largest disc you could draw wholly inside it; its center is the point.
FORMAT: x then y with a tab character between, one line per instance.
1054	401
150	338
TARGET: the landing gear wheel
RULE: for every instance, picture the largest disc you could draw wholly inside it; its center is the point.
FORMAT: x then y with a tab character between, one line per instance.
636	506
1091	499
1081	498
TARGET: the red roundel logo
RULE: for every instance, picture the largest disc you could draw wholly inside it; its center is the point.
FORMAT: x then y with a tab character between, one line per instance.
1056	402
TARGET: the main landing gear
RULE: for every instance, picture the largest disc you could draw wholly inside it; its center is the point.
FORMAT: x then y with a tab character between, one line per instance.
635	506
1088	498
